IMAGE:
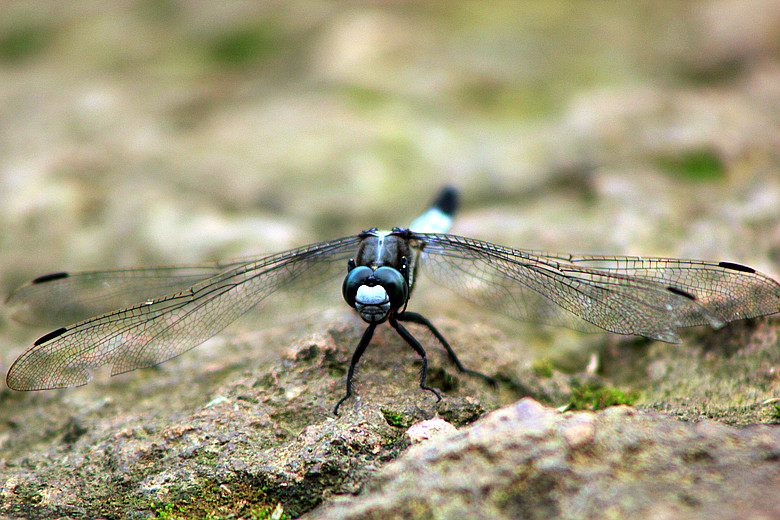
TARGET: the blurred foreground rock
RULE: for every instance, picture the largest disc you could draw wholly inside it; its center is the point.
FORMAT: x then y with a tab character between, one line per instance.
528	461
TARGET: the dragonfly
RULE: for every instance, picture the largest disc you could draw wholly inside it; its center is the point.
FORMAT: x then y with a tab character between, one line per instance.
141	317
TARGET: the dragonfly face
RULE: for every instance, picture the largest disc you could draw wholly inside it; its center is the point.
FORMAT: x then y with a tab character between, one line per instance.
136	318
378	281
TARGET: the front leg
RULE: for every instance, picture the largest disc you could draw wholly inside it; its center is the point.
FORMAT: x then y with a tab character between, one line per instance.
364	341
417	348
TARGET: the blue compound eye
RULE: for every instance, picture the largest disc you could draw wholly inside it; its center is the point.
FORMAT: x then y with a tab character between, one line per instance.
395	285
355	278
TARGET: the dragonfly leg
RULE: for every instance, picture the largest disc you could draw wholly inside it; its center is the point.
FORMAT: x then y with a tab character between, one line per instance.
419	319
420	350
364	341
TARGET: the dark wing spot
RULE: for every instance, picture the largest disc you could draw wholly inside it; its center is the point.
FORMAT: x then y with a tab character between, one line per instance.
680	292
51	335
51	276
736	267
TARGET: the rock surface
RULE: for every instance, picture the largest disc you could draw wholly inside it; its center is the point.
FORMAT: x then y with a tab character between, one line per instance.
155	132
528	461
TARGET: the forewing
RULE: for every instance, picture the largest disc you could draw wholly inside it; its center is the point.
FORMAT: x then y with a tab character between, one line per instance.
723	291
62	298
627	295
153	331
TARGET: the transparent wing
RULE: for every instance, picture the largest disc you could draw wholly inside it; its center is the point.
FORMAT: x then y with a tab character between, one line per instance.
158	329
62	298
650	297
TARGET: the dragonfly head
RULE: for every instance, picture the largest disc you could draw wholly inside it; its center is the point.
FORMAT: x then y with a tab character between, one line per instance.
375	293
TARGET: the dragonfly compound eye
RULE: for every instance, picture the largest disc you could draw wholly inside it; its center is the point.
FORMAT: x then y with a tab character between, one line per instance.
355	278
395	285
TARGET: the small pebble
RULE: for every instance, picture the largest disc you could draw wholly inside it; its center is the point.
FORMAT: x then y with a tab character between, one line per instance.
424	430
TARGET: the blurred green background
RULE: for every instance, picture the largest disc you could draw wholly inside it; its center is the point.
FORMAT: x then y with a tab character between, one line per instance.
159	131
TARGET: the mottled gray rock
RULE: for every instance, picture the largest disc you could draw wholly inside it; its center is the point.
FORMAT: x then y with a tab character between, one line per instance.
90	456
528	461
155	132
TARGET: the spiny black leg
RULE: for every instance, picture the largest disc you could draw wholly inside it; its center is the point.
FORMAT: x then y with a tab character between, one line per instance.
420	350
364	341
419	319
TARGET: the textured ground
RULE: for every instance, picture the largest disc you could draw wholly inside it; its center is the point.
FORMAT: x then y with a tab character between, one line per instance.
158	131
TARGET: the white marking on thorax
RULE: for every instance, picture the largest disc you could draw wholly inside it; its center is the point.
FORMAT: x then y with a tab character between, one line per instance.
380	245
